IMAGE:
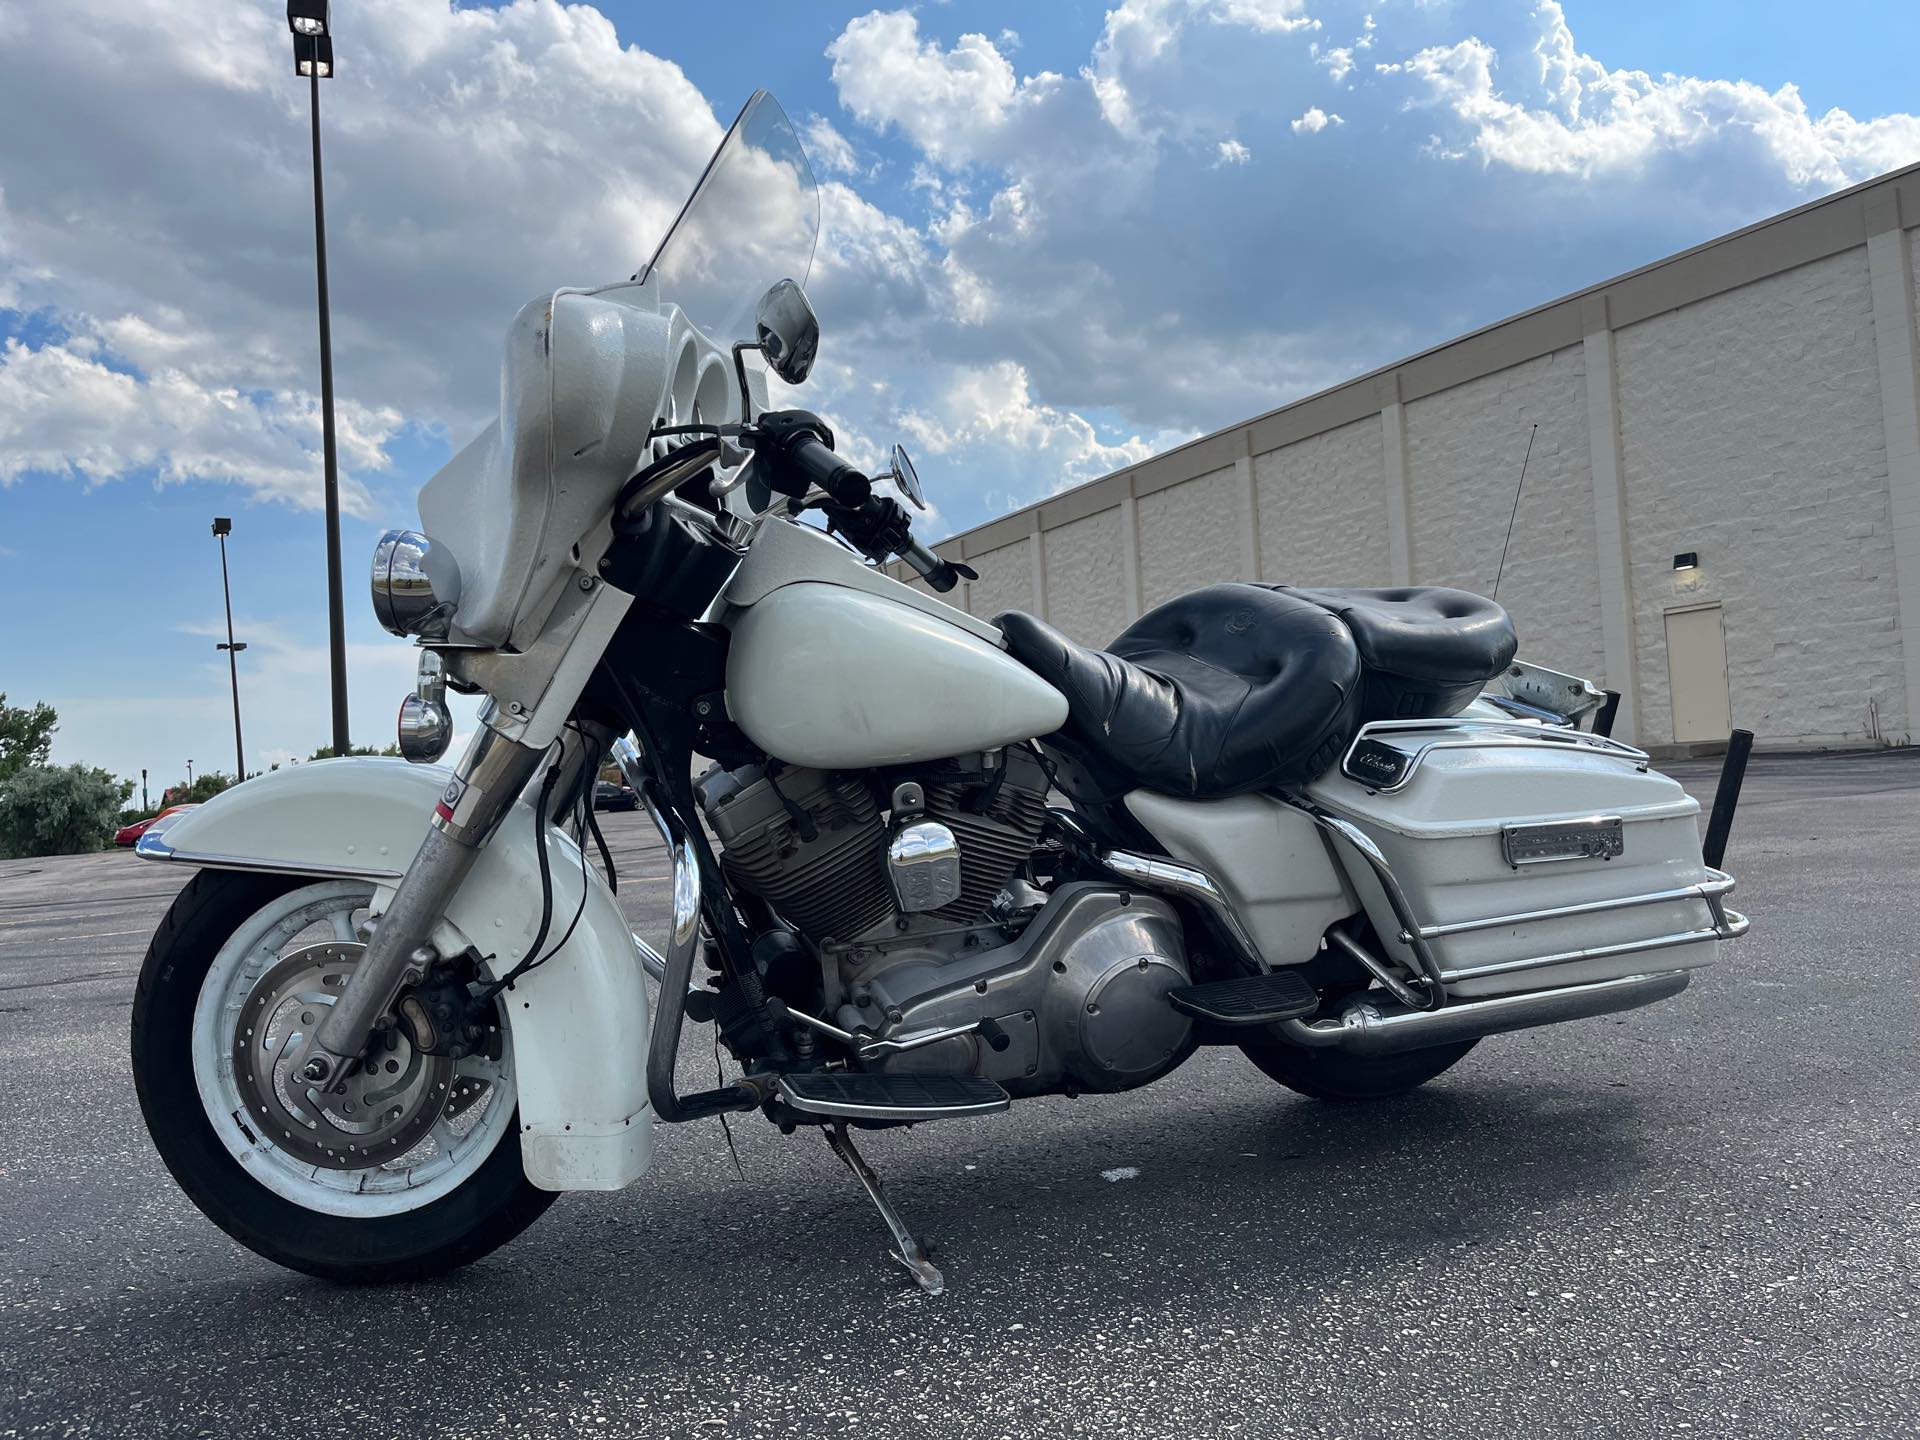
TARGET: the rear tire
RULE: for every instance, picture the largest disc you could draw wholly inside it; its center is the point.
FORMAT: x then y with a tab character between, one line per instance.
491	1203
1328	1074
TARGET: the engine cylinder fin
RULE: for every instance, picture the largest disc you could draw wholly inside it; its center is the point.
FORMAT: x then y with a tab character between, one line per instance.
833	884
996	841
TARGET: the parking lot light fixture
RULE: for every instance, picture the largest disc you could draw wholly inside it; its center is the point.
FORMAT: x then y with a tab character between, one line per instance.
307	17
313	56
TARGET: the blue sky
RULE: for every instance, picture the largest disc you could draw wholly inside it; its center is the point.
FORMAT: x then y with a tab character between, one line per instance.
1057	238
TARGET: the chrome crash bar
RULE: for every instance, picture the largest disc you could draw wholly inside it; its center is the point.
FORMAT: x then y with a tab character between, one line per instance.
675	969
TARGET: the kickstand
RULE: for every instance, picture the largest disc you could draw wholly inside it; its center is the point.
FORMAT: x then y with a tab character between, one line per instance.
906	1249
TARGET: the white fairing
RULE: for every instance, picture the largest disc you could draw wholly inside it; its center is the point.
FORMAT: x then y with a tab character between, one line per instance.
580	1021
834	678
586	375
1271	860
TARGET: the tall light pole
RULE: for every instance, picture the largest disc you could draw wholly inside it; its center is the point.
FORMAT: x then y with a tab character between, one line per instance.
189	774
223	527
313	58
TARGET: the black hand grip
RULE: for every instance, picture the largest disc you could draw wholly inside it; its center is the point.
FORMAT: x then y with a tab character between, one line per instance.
822	467
935	571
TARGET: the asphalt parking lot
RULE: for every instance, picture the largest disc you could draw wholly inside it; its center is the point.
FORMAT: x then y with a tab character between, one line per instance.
1701	1219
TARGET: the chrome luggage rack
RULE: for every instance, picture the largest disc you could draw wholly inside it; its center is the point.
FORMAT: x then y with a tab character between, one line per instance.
1466	734
1724	924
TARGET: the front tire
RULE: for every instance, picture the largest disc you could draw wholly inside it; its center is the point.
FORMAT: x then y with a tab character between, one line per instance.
370	1225
1329	1074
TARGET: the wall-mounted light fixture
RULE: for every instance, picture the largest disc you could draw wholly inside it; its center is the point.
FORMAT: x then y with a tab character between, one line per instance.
1686	560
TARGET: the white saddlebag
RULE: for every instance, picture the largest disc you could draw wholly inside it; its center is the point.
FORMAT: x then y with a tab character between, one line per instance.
1525	856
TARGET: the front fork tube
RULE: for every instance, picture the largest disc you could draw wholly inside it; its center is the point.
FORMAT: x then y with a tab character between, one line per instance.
485	785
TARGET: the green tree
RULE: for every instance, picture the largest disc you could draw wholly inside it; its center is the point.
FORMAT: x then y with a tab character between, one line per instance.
59	810
26	735
206	785
325	752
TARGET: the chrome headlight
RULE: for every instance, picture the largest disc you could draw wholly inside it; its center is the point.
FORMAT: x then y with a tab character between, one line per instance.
416	585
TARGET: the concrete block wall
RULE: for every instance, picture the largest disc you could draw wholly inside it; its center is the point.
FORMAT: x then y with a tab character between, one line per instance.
1755	400
1188	537
1323	508
1465	450
1086	578
1751	434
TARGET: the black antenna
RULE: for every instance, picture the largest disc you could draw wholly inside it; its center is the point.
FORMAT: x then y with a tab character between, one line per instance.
1516	510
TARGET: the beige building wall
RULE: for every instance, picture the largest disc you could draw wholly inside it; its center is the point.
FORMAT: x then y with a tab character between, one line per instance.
1755	400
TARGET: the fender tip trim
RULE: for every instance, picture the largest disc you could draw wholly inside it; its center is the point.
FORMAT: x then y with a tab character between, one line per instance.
155	847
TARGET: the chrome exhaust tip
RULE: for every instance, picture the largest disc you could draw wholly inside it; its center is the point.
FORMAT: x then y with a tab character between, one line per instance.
1364	1029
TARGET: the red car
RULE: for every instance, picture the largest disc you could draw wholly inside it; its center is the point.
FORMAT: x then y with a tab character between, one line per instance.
128	834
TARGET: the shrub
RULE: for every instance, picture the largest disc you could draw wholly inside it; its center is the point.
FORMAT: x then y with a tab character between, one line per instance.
59	810
206	785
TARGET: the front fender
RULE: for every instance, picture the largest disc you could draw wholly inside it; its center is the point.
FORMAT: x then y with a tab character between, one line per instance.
580	1021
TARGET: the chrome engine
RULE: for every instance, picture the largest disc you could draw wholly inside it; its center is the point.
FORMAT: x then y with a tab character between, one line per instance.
907	887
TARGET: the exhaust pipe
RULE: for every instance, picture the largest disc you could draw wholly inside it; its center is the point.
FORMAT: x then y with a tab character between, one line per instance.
1368	1030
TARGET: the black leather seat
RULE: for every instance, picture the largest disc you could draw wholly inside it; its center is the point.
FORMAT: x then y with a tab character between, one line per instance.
1424	650
1228	689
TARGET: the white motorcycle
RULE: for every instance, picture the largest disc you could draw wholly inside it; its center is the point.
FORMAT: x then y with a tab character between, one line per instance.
935	864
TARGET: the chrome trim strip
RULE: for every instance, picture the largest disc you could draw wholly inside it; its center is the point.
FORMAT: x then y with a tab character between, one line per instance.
1736	925
1188	880
154	847
853	1110
1718	884
1366	1030
1481	734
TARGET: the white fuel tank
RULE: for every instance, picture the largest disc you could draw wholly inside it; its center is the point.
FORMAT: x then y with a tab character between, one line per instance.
833	677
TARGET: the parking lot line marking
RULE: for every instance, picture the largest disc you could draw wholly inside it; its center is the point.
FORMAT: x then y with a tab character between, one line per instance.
68	939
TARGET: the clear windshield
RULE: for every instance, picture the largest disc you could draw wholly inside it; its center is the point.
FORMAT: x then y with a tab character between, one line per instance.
750	222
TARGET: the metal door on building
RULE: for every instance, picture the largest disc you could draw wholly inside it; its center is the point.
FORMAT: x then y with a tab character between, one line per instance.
1697	673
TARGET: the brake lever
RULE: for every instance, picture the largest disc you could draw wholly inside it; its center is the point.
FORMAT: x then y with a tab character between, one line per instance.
736	462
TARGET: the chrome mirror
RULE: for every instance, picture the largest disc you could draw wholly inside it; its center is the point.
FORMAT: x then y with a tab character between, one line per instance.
905	478
789	334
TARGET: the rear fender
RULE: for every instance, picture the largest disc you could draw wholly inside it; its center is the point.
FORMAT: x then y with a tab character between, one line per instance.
580	1021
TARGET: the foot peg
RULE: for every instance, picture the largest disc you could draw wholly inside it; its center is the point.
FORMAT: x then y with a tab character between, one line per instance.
907	1250
854	1096
1249	1000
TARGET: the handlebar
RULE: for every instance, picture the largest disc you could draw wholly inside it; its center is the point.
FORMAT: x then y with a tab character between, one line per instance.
935	571
820	466
797	449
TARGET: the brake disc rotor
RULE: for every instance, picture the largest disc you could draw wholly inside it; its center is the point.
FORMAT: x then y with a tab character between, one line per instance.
376	1115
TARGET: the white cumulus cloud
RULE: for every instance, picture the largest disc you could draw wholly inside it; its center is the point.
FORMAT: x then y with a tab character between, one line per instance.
1581	117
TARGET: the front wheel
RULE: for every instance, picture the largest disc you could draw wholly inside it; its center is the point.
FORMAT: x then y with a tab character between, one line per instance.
409	1169
1328	1074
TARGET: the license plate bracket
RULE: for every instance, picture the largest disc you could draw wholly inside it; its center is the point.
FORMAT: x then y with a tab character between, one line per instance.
1597	837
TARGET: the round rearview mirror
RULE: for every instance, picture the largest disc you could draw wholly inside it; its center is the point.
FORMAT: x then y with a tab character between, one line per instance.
789	334
907	479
